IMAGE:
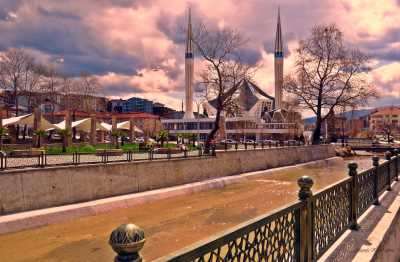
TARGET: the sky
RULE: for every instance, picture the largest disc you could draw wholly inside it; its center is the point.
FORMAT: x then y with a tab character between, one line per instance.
136	47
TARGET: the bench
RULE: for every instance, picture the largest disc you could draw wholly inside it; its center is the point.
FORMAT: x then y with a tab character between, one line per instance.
26	153
109	152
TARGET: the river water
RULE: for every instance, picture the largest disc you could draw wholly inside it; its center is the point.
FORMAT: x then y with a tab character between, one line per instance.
174	223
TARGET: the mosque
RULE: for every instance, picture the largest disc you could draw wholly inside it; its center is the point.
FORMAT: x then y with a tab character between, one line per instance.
259	115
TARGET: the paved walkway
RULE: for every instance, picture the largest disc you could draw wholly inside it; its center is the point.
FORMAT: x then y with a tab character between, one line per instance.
169	224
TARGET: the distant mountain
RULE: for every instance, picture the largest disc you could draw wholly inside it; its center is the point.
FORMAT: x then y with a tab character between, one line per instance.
354	114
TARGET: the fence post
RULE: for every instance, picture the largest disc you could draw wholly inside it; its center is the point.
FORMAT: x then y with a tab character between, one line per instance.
262	144
213	150
254	145
245	145
388	157
127	240
236	146
354	195
2	160
396	162
305	238
375	163
42	156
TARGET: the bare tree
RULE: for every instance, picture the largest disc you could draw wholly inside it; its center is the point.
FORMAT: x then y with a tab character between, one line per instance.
14	65
88	87
224	69
32	84
328	75
50	86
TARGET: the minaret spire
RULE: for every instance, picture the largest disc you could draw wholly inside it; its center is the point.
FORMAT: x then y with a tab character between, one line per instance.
278	63
189	70
189	44
278	37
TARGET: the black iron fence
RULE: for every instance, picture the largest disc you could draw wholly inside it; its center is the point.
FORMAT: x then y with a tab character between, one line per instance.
302	231
40	159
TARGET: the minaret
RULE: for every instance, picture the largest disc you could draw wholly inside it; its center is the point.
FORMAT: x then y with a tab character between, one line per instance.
189	71
278	63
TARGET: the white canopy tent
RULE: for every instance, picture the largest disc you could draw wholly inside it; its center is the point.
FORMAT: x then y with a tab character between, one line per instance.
81	125
127	126
123	125
29	121
105	126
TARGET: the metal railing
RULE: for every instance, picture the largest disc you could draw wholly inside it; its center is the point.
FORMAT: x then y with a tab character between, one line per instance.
301	231
48	160
8	162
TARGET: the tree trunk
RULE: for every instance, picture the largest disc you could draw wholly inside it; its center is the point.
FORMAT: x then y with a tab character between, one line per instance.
316	140
213	132
17	133
64	144
24	134
73	129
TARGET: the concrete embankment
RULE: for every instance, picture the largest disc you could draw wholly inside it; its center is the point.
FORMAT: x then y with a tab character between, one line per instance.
30	189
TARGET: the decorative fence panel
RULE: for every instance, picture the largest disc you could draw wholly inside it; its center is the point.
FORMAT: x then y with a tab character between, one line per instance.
366	182
393	170
266	238
382	176
331	213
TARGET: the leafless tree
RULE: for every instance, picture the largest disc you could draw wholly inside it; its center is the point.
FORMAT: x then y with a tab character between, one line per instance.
32	84
50	86
224	69
88	87
14	65
328	75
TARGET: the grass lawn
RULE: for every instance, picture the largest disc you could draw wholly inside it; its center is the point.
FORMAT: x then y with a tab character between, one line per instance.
92	149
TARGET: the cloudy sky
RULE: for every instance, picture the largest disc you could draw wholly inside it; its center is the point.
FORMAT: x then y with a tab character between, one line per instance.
136	47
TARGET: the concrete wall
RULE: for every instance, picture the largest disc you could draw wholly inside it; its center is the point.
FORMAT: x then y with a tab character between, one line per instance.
31	189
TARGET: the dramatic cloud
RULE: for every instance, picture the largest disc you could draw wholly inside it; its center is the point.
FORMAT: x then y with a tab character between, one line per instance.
136	47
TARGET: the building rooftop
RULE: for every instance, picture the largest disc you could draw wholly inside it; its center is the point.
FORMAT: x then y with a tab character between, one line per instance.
135	115
387	111
247	95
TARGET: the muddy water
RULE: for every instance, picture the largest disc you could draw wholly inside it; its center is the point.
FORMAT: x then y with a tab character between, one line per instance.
169	224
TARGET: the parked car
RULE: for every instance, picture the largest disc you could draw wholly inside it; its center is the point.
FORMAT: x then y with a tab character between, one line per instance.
290	142
55	136
267	141
228	141
248	141
139	140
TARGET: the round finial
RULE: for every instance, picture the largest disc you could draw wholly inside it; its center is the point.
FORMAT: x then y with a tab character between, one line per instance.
352	168
375	160
388	155
395	152
127	240
352	165
305	183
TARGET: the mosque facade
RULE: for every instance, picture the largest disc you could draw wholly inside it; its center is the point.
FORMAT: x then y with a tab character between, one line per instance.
258	116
